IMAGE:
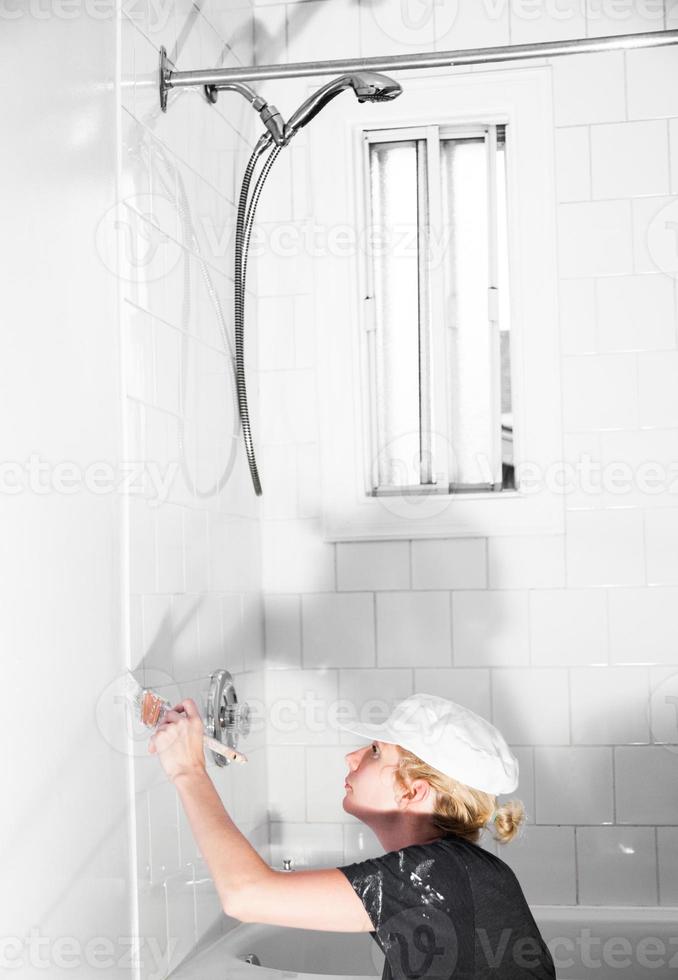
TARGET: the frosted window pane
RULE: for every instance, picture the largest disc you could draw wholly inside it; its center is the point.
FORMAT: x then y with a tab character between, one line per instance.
465	210
393	169
504	322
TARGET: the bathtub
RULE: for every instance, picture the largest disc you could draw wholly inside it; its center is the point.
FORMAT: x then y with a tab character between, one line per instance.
586	943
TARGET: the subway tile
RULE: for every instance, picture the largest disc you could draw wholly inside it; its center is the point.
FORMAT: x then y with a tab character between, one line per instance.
531	23
568	627
252	644
231	537
667	846
186	662
170	548
164	824
180	898
282	617
338	630
142	546
308	481
168	367
270	35
373	565
197	550
616	865
648	95
594	239
449	563
583	469
208	910
369	696
629	159
526	562
299	706
157	632
631	17
469	686
321	30
326	770
140	364
573	785
232	626
642	625
288	406
210	633
604	548
538	848
310	845
654	235
589	88
308	564
413	628
573	165
578	316
153	959
663	705
661	545
468	24
646	784
490	628
276	333
599	392
278	468
387	29
636	313
658	388
673	153
360	843
525	788
530	706
286	794
609	705
637	467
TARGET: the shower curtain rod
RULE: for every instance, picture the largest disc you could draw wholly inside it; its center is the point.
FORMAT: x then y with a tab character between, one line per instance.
434	59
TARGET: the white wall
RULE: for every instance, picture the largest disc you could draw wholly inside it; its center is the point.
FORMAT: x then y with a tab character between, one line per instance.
195	557
64	830
567	643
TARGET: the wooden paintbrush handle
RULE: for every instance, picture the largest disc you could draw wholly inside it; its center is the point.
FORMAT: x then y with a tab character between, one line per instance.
225	750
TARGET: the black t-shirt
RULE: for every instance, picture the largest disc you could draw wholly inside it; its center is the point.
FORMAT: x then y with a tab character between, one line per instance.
450	910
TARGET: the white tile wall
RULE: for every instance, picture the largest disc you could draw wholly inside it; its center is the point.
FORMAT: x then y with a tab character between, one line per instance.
617	865
195	560
559	641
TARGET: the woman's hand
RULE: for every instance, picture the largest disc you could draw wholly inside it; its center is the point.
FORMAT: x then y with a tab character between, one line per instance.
178	740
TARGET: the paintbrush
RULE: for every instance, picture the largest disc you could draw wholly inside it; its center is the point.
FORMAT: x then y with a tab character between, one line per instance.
150	709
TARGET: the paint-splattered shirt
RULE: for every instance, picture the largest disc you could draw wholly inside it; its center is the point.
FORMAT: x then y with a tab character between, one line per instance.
450	910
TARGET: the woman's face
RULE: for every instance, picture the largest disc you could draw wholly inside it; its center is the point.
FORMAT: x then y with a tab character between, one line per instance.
370	784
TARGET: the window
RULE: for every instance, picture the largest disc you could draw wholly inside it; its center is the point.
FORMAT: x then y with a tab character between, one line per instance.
438	367
438	323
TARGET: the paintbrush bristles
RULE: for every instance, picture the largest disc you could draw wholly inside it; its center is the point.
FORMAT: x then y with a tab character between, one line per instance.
153	708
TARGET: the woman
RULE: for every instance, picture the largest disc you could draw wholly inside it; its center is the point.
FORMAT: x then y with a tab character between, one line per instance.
437	903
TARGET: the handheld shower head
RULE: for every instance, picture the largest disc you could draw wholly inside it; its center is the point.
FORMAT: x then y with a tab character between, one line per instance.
369	86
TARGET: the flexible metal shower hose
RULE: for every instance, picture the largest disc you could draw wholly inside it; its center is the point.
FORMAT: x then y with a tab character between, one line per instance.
242	238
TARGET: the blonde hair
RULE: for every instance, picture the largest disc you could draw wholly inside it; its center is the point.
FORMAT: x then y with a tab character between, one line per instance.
459	808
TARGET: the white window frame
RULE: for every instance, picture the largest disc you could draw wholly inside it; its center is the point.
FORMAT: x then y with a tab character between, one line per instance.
520	98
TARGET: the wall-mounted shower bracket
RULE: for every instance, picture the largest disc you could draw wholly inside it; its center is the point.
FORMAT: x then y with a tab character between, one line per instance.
225	718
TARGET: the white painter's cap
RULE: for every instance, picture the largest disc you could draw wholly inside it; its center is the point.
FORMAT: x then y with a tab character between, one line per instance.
451	738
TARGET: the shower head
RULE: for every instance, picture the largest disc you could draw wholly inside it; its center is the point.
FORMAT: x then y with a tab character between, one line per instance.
369	86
